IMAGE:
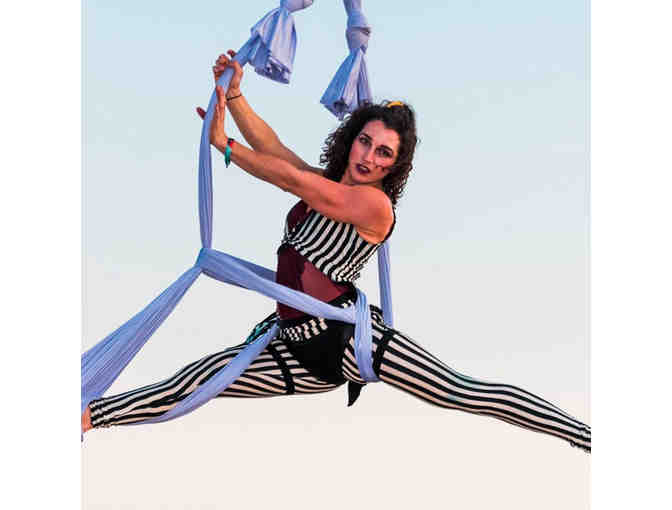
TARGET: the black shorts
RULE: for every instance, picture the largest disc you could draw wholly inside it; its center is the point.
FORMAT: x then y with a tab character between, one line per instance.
317	343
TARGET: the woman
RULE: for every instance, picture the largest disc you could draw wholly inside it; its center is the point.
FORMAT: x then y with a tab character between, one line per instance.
345	213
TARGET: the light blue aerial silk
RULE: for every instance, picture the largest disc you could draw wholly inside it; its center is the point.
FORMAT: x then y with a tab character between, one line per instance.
350	86
270	50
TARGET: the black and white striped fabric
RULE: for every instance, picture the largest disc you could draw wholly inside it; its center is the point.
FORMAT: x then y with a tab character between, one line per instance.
398	361
404	364
275	372
309	327
335	249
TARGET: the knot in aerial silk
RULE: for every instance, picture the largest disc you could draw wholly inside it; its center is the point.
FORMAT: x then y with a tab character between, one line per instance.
358	39
274	41
358	29
349	88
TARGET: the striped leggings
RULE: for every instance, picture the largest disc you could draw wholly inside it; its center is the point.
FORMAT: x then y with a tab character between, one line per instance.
398	361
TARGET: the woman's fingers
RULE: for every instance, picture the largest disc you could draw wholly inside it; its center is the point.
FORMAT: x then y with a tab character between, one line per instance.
222	63
217	132
221	96
222	60
221	103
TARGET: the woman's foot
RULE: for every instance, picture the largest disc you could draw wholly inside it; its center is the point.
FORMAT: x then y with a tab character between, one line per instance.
86	420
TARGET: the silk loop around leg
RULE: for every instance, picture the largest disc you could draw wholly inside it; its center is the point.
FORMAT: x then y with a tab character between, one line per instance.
363	342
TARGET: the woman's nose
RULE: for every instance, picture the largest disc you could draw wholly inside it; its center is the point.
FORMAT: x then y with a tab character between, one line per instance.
369	154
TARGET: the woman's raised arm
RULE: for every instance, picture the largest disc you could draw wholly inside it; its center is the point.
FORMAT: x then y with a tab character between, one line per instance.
365	207
254	129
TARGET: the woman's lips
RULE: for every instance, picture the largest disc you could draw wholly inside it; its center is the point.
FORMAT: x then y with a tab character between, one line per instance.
362	169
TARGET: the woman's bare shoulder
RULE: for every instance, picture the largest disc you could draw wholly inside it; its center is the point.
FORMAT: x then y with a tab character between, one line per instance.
382	214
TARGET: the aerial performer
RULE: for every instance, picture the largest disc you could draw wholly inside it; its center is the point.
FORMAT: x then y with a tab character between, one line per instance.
345	214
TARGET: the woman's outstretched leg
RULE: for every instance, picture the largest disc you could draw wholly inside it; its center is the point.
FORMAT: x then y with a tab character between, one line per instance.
403	363
274	372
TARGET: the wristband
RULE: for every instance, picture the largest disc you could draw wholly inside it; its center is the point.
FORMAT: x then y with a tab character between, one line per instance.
227	151
234	97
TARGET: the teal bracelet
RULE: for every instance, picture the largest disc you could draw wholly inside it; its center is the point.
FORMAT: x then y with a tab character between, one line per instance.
227	151
227	156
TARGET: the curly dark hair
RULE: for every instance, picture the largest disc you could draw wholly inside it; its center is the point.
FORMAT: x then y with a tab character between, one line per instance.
399	117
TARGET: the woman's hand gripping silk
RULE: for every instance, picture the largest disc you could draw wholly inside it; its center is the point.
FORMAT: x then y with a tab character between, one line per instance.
218	136
221	64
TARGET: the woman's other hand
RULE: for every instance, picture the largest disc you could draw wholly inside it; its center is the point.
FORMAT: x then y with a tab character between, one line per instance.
218	136
221	64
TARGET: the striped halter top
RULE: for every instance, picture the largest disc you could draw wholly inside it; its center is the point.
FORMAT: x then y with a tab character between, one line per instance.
335	249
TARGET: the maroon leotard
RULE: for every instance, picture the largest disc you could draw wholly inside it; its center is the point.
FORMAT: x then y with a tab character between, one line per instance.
296	272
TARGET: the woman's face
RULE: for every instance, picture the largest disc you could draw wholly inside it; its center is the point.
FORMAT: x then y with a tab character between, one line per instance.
374	150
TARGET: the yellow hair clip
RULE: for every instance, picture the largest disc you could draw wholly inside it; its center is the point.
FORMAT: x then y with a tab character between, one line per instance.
395	103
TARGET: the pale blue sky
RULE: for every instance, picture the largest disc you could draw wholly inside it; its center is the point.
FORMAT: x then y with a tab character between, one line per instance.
492	234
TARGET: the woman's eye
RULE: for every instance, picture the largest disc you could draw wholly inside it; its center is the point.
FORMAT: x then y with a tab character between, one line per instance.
364	140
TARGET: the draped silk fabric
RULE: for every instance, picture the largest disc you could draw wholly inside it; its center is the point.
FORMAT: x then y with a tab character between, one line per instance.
349	87
270	50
